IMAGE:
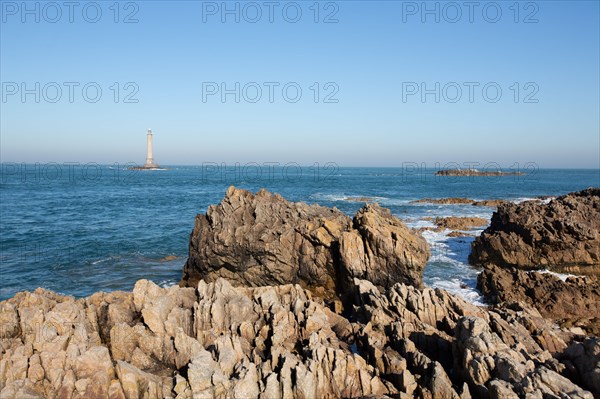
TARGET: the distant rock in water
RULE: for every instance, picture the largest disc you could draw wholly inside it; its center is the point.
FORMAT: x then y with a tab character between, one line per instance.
359	199
444	201
574	302
561	235
474	172
459	223
460	201
262	239
490	203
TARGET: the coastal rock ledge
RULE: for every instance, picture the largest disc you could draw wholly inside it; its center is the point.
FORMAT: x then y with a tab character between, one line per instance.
261	239
221	341
562	235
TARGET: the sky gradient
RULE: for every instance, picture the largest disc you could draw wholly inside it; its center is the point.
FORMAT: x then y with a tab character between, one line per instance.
361	67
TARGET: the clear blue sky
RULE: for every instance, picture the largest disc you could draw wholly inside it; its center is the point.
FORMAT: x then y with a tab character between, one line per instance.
373	56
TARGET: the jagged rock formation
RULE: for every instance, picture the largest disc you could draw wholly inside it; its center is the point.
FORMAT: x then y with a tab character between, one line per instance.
574	302
280	342
562	235
263	239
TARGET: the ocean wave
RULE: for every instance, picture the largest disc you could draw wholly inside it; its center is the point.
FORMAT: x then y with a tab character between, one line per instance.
356	198
463	288
524	199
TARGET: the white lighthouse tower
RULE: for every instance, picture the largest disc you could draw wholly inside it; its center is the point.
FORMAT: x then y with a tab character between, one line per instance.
149	159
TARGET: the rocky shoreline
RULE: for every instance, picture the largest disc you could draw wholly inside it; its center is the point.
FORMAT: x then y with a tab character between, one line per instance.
283	300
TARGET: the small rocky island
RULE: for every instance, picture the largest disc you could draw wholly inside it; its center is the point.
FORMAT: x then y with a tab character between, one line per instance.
474	172
289	300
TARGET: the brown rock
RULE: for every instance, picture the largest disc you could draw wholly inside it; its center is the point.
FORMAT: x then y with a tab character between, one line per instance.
382	249
459	234
563	235
263	239
574	302
490	203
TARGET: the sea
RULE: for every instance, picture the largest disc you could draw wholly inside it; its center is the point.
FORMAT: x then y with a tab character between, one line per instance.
81	228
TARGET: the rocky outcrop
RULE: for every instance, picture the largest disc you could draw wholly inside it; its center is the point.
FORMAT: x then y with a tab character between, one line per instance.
490	203
262	239
434	345
222	341
562	235
574	302
216	341
381	249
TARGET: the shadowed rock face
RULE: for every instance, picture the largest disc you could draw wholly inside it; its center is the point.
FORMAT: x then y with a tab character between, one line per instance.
563	235
262	239
574	302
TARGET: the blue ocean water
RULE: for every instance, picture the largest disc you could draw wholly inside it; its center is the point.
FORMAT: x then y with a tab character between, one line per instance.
78	229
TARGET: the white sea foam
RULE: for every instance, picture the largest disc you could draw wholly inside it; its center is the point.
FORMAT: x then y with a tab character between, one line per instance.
357	198
418	223
524	199
458	287
448	268
167	283
103	260
562	276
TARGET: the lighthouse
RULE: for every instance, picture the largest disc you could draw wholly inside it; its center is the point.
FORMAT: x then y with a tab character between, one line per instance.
149	165
149	159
